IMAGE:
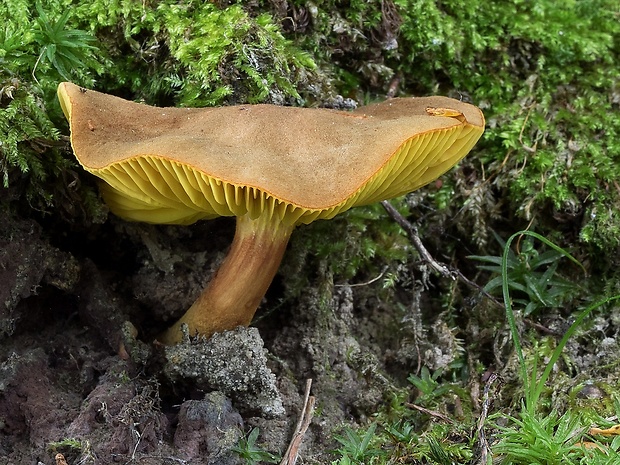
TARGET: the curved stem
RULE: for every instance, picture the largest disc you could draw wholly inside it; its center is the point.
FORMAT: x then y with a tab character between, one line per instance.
237	288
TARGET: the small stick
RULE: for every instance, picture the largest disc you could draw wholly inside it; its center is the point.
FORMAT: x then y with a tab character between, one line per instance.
412	231
366	283
439	267
291	454
432	413
484	447
541	328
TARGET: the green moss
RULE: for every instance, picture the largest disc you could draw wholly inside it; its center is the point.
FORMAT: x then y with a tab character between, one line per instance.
349	40
363	247
22	122
196	54
38	48
231	53
546	78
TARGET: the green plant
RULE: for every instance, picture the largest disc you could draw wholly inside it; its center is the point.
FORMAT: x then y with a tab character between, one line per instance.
400	442
437	453
69	443
66	50
430	389
531	273
76	450
402	432
534	436
250	452
544	439
534	388
356	448
45	46
45	43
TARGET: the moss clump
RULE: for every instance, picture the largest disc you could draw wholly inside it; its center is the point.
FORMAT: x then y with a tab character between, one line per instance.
196	54
23	123
547	79
232	53
38	48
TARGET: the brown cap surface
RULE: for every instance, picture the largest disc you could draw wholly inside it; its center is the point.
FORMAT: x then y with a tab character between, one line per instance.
178	165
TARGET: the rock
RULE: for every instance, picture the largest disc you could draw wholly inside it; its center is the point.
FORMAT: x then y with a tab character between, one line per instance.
120	419
233	362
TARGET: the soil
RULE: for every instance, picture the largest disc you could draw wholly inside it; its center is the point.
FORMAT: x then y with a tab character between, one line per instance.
80	374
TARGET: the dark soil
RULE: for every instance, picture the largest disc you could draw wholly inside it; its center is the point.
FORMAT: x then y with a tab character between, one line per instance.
79	374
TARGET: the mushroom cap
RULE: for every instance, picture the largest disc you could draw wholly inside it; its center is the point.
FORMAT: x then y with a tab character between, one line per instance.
179	165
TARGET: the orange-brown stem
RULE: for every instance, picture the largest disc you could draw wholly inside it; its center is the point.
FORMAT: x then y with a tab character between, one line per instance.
232	296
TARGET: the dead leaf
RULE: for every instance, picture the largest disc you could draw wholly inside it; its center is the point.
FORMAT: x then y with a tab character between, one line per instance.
613	431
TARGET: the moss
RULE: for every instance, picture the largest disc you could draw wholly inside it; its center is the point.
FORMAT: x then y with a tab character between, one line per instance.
363	247
546	79
22	123
38	48
231	53
196	54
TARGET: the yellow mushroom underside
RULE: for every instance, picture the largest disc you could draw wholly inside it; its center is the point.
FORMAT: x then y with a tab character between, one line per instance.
181	165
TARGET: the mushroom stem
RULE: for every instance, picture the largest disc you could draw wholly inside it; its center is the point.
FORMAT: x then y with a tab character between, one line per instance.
237	288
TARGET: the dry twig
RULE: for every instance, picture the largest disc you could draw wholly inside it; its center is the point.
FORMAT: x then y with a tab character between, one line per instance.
307	411
483	444
432	413
439	267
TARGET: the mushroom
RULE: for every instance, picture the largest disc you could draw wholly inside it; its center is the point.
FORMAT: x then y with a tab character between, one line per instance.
272	167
